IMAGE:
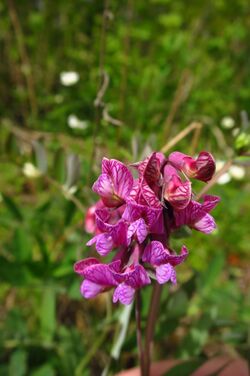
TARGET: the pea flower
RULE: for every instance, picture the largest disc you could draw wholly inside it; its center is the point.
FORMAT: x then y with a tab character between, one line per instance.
134	220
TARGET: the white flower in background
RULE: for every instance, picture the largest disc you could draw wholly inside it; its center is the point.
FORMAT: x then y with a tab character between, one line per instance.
219	164
234	172
224	179
69	78
31	171
227	122
75	123
237	172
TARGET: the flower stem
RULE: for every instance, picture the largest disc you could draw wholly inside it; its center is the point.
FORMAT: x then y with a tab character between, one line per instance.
138	330
153	310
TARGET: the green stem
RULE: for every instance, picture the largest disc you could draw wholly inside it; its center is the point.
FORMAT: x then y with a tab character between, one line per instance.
153	310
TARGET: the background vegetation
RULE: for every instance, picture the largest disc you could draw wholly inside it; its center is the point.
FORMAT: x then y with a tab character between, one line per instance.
144	70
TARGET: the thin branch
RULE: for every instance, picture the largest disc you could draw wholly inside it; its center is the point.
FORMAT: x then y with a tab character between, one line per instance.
192	127
181	93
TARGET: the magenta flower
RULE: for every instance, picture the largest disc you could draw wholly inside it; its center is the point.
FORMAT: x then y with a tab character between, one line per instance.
135	218
197	216
202	168
163	260
177	193
114	184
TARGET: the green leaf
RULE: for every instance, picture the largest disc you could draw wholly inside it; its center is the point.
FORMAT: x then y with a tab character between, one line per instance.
18	363
48	313
210	275
12	207
22	245
45	370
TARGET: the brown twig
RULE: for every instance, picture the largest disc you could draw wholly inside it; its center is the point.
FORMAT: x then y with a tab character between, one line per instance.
181	93
195	126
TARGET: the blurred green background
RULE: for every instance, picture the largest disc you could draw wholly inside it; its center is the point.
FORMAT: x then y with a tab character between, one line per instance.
84	79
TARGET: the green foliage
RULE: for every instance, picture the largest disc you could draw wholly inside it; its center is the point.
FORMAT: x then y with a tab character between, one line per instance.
167	64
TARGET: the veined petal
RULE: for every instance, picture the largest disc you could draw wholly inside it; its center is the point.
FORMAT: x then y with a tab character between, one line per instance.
104	244
100	274
205	166
210	202
149	195
177	193
136	211
154	253
206	224
81	265
124	294
119	233
195	217
137	277
139	228
165	273
175	259
104	186
90	289
120	175
202	168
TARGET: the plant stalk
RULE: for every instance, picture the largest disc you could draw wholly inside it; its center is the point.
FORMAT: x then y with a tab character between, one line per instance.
139	331
153	311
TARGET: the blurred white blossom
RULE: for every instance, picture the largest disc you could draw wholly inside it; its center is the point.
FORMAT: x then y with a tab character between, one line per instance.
224	179
75	123
227	122
31	171
234	172
69	78
237	172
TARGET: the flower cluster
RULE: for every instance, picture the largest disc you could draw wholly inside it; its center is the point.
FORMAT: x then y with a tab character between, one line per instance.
136	216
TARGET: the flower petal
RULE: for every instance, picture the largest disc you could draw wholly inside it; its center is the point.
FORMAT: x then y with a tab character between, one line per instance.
120	175
149	195
165	273
90	289
104	244
201	168
210	202
137	278
206	224
100	274
139	228
124	294
155	253
81	265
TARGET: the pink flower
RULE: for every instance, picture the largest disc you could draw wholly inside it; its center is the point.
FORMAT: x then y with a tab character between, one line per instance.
135	218
177	193
163	260
114	184
201	168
